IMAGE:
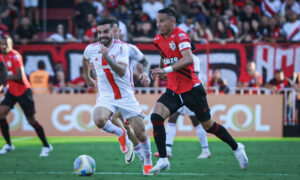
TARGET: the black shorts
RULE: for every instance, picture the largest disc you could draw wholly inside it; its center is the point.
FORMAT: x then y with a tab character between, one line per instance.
195	100
25	100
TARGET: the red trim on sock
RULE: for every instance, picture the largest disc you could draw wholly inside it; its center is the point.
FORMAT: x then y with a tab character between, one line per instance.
216	128
37	125
3	122
160	123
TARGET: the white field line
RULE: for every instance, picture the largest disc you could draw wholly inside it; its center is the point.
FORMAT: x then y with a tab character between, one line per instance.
22	139
166	174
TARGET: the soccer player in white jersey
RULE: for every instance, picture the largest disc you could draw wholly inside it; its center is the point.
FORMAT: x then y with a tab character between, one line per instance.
134	55
171	126
111	61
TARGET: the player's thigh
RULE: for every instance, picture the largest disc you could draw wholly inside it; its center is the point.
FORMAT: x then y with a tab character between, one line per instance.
27	103
8	102
101	113
173	118
167	104
196	101
194	120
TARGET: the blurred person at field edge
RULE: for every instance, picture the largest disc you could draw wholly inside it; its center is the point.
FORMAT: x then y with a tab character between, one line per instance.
271	7
278	82
217	82
59	79
291	28
250	78
188	26
19	91
255	33
61	35
40	79
8	13
3	29
26	32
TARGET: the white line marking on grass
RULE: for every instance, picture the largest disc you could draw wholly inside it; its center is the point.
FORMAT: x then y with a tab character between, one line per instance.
22	139
166	174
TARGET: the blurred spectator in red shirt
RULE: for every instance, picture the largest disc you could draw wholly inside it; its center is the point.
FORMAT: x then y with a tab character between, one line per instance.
3	29
8	13
81	11
90	35
223	33
250	78
26	33
202	33
278	82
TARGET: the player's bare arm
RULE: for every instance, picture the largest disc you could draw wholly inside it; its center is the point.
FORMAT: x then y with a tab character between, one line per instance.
86	74
3	72
117	67
144	77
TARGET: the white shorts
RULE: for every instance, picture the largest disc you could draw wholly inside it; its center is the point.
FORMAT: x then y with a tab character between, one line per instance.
128	106
185	110
31	3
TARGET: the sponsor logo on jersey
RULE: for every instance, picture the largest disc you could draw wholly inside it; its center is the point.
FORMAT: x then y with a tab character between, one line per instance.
182	36
172	46
170	61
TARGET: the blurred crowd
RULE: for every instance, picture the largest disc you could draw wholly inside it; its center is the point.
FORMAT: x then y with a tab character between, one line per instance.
222	21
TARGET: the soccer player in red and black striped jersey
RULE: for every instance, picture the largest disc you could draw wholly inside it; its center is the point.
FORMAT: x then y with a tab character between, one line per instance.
18	91
183	88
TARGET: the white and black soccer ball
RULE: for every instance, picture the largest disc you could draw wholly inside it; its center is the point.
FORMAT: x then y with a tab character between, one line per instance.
84	165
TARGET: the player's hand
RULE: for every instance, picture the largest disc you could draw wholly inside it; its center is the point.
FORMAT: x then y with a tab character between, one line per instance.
145	80
104	52
156	71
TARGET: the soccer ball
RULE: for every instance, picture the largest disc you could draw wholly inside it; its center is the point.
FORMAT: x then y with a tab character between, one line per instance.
84	165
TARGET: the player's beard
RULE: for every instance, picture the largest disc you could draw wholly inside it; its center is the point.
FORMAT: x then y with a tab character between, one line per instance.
106	41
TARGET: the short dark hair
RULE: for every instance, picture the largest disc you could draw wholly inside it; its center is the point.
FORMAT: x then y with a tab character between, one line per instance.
106	21
114	21
41	65
167	11
278	70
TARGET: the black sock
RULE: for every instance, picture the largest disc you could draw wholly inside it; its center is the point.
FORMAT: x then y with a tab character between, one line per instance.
40	132
159	134
223	134
5	130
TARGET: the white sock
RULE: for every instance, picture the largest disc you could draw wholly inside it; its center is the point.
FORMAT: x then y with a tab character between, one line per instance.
146	147
201	133
170	134
138	151
111	128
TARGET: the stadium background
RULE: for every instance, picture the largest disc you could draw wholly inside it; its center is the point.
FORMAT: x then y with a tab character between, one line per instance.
259	115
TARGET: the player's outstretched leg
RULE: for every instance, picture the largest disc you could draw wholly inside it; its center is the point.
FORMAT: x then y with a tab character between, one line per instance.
5	132
201	133
138	126
223	134
101	116
160	140
47	148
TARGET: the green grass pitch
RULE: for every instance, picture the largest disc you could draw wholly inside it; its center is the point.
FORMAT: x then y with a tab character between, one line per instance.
269	158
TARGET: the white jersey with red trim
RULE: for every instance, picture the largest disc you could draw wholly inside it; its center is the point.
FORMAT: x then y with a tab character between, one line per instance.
292	30
270	8
110	84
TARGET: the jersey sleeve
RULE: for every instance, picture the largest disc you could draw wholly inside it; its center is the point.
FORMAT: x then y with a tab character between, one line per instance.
86	53
123	55
183	41
135	54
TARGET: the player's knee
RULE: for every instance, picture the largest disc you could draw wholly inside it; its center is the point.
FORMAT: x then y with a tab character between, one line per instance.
207	125
31	120
100	122
157	120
